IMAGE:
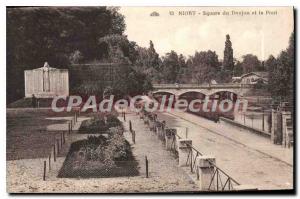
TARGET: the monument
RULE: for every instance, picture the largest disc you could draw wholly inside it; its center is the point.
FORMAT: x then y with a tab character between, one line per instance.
46	82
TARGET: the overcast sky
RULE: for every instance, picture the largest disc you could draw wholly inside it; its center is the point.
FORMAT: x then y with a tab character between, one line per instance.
261	35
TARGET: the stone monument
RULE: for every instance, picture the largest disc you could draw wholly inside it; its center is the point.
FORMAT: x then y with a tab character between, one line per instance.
46	82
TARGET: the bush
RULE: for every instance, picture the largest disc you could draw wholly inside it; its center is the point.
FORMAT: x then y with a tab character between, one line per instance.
100	125
98	156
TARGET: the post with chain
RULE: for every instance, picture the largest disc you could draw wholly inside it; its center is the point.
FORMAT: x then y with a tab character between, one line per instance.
44	174
147	169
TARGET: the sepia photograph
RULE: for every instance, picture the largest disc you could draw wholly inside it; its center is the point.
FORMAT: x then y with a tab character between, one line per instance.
119	99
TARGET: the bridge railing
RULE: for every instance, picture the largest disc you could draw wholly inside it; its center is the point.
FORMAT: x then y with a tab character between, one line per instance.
204	86
220	180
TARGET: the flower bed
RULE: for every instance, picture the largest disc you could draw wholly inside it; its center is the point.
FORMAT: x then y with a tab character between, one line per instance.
98	156
99	124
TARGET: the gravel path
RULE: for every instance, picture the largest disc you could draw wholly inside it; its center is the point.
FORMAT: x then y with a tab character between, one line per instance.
25	176
162	165
247	157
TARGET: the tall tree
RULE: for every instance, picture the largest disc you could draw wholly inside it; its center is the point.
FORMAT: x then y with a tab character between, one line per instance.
170	67
228	55
153	56
281	83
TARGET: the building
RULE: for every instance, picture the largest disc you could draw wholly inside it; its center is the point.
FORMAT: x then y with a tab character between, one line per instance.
46	82
252	78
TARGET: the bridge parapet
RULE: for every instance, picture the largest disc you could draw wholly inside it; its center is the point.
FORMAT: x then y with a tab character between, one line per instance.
200	86
206	89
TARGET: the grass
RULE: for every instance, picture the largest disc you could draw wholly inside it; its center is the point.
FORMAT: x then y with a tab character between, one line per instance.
27	103
26	133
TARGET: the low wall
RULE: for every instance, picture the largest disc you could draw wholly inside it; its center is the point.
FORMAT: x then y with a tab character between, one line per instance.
244	127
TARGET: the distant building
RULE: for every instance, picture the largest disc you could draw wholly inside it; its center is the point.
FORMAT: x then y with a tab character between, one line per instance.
154	14
213	81
252	78
46	82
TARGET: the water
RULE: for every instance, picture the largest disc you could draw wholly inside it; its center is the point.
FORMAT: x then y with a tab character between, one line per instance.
254	119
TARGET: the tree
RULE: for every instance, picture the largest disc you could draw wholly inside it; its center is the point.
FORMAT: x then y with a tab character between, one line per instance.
130	82
153	57
56	35
238	69
205	65
76	57
170	67
118	49
281	72
250	63
182	74
228	55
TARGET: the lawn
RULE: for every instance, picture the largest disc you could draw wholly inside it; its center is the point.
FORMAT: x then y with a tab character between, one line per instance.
26	133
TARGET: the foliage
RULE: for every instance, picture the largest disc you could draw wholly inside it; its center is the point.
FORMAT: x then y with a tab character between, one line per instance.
237	69
204	65
228	55
281	73
59	35
251	63
100	124
130	82
98	156
118	49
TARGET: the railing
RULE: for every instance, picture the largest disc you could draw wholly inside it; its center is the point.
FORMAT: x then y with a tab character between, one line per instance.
204	86
220	180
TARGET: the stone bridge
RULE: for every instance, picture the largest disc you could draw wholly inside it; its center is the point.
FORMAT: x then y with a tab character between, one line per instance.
206	89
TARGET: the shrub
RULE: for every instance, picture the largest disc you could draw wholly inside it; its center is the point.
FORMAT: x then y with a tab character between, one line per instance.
100	124
98	156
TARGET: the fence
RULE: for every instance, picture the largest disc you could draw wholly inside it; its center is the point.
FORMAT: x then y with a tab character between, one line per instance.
217	180
58	144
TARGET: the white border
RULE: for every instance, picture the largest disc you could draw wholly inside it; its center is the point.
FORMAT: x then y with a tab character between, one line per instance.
5	3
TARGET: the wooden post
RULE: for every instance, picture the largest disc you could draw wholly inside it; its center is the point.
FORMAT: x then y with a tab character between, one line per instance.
69	129
61	140
263	119
71	126
186	132
50	162
57	142
133	137
191	159
54	153
64	138
44	175
130	126
147	172
124	117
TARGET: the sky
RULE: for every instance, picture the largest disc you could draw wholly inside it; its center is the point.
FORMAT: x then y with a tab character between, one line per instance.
261	31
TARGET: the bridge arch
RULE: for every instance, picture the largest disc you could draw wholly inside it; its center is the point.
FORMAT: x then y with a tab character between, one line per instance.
191	95
159	94
163	93
224	94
